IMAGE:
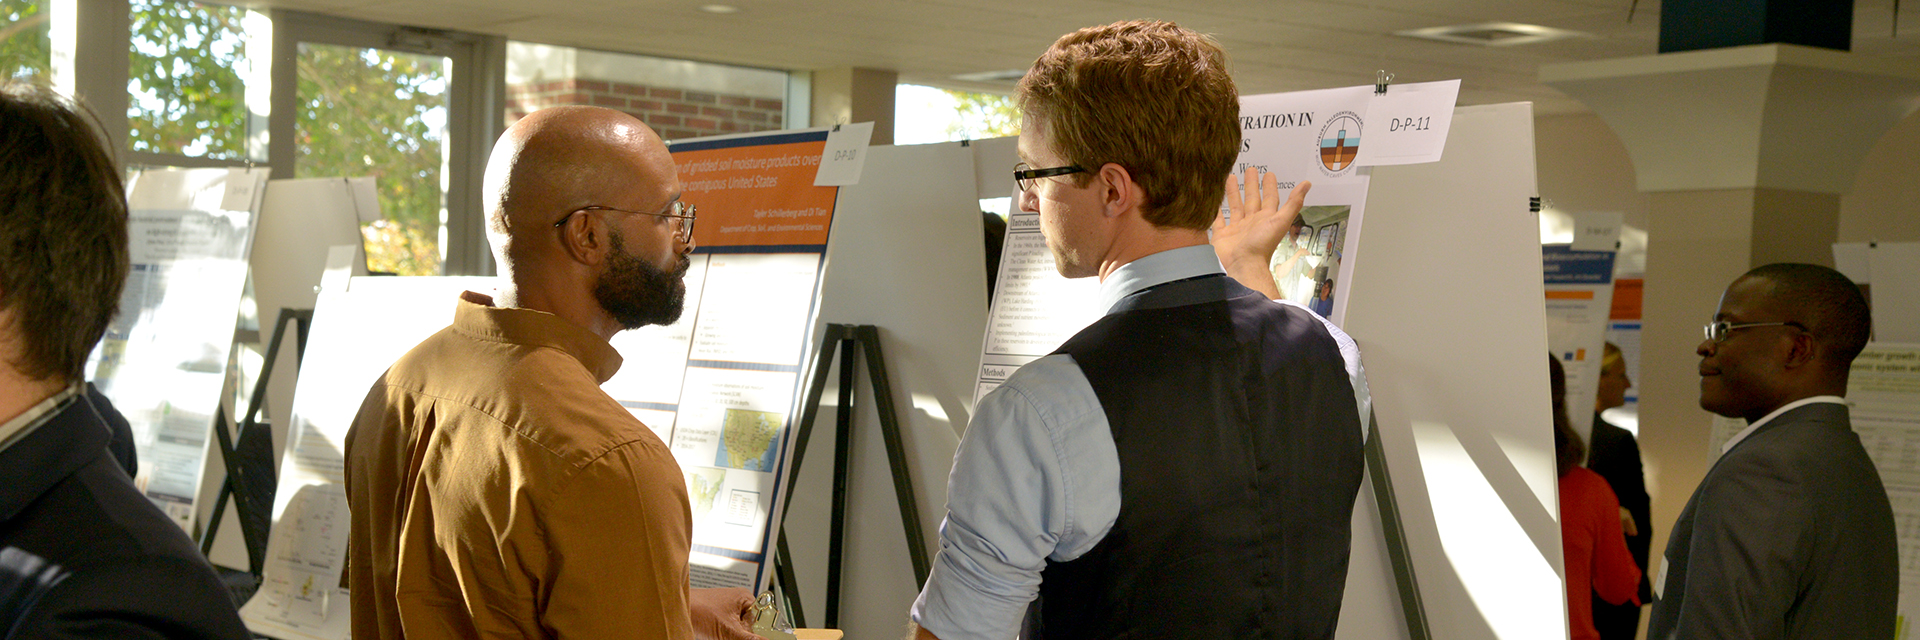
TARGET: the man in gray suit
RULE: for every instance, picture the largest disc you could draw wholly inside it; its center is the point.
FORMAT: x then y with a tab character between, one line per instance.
1790	534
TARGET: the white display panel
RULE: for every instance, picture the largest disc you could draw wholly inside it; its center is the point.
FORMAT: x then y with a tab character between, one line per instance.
1455	355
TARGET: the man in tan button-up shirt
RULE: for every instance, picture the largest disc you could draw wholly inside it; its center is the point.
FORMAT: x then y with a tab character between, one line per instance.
496	491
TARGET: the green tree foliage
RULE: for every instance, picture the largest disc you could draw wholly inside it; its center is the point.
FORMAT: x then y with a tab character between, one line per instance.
370	112
186	96
983	115
26	49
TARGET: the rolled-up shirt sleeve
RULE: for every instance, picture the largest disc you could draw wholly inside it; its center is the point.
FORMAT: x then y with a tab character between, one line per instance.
1036	477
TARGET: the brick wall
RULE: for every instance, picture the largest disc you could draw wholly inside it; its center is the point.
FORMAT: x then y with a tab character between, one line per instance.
674	113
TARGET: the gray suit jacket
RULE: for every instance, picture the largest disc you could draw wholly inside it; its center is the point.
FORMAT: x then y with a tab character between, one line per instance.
1789	536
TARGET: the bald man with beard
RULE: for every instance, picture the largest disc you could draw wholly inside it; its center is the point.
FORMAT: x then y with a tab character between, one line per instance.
496	490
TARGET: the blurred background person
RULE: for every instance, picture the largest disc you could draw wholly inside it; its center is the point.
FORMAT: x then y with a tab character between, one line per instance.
82	553
1597	562
1615	455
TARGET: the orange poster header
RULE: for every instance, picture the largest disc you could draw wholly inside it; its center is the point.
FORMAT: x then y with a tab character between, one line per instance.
1626	299
756	192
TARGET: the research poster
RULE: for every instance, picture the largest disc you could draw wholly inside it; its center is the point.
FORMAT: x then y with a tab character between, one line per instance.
305	557
722	386
1312	136
1579	287
1883	388
163	360
1623	330
1034	310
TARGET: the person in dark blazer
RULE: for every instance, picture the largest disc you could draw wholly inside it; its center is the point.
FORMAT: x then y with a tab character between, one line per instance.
1790	534
82	553
1615	455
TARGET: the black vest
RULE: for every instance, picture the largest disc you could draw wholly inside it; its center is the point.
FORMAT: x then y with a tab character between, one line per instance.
1240	455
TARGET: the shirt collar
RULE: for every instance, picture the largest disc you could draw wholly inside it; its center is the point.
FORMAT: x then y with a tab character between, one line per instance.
1742	435
477	317
1157	269
36	415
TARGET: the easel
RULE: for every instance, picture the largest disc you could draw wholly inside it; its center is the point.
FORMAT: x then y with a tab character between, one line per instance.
250	483
867	337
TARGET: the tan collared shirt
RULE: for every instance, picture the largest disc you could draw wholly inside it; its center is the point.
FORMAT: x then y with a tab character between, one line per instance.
497	492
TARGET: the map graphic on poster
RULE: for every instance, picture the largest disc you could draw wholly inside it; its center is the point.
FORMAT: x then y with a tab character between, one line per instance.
748	439
703	485
163	360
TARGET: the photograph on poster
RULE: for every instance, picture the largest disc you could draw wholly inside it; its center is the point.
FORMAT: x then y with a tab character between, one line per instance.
1306	268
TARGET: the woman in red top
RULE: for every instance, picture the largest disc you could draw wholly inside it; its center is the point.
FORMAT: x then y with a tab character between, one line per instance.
1595	549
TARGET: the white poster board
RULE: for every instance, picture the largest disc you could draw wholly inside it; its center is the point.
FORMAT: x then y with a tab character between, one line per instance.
906	257
300	220
163	361
1893	282
1446	306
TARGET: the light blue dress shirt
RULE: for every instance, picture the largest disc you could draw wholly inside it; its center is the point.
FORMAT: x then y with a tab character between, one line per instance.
1037	476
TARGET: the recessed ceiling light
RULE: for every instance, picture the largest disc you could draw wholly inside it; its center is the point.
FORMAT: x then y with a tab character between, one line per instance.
1492	34
719	9
1008	76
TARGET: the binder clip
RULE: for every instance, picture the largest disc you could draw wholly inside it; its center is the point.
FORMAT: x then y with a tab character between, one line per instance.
766	619
1380	81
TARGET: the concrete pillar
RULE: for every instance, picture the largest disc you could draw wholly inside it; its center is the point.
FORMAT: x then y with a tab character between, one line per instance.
1743	153
851	94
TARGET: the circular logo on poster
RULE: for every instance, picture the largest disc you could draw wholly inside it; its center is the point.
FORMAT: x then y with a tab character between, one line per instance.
1339	143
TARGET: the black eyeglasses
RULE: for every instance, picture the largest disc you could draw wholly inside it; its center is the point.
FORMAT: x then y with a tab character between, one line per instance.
681	212
1717	331
1024	177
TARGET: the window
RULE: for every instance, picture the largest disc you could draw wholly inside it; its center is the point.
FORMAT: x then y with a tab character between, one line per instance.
26	45
381	113
931	114
678	98
925	115
186	96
